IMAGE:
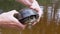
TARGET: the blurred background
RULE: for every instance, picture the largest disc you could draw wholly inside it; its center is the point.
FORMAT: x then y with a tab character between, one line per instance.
49	23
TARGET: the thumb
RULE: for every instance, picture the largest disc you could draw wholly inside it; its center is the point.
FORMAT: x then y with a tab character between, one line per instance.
19	24
35	5
11	13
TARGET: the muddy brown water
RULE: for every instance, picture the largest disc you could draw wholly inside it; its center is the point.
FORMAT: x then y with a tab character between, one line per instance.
49	24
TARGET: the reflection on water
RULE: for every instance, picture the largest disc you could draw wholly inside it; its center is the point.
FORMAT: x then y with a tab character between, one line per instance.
57	17
49	24
49	15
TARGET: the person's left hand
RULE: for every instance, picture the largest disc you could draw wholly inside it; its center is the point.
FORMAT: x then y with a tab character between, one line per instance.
36	7
7	20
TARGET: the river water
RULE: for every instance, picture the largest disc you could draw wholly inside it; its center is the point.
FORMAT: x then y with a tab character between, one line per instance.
49	24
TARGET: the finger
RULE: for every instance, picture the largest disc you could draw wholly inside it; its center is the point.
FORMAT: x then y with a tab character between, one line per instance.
19	24
35	5
11	13
40	12
36	22
13	19
13	26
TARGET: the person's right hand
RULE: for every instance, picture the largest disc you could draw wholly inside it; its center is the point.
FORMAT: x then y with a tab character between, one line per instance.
35	6
7	20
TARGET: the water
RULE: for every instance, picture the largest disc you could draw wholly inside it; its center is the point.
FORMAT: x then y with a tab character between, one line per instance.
49	24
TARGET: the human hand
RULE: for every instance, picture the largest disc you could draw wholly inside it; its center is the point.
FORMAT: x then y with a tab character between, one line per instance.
7	20
36	7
